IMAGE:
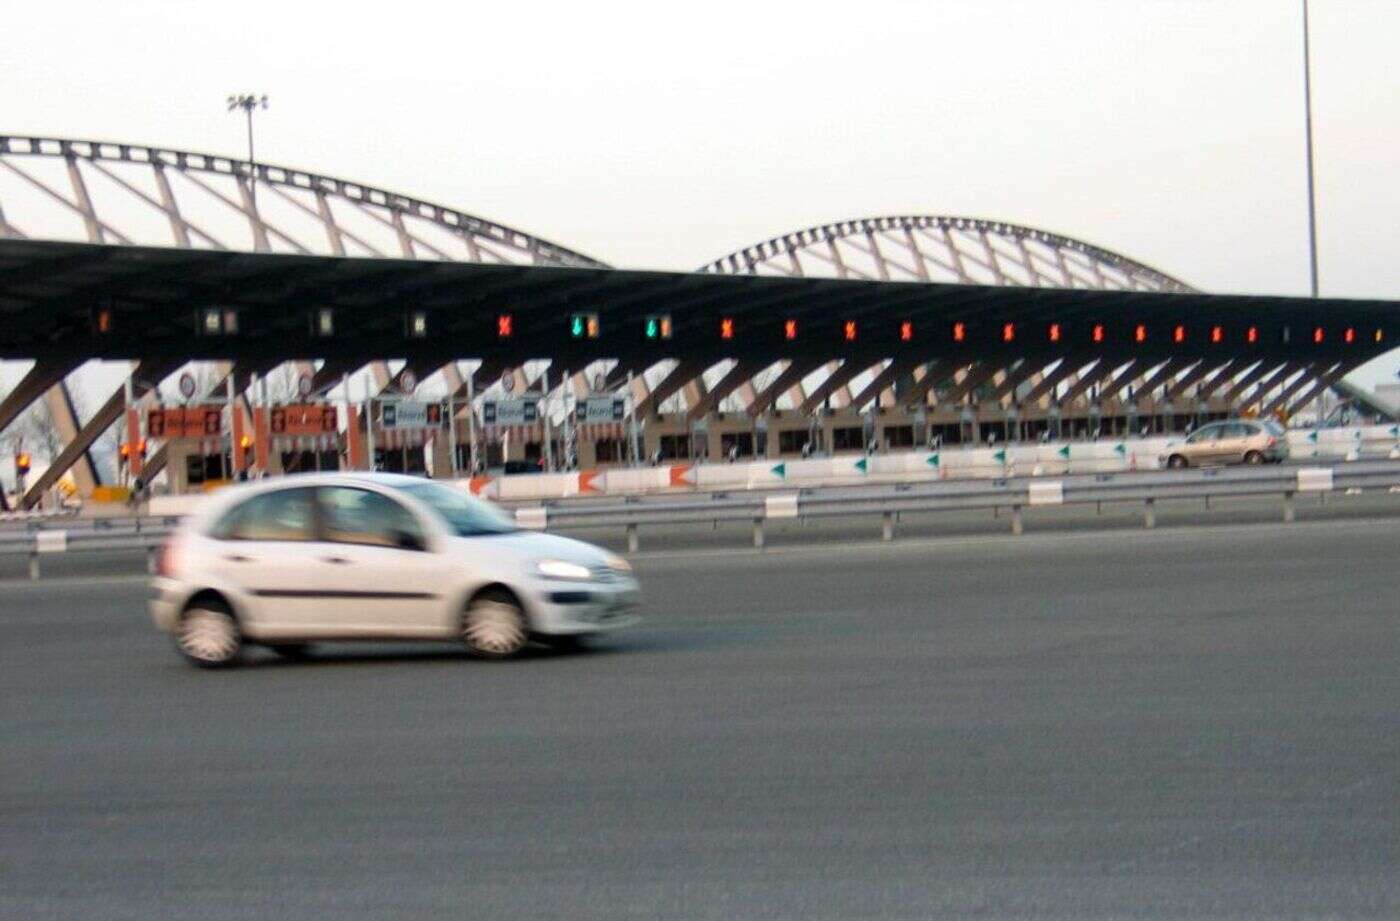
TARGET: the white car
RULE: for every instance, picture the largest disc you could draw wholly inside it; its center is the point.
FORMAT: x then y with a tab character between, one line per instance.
348	556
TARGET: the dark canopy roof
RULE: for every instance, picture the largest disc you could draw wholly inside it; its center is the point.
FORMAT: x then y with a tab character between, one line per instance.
66	300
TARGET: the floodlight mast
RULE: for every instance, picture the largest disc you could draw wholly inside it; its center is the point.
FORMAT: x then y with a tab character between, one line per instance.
248	102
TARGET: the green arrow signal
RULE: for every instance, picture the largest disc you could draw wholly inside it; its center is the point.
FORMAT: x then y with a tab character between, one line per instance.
933	460
780	471
862	465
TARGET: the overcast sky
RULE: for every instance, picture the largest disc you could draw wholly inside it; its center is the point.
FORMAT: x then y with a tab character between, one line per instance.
665	135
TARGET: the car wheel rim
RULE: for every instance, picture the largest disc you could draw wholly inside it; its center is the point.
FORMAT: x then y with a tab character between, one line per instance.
209	636
494	627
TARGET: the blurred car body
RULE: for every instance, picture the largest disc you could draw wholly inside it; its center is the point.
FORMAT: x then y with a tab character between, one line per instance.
350	556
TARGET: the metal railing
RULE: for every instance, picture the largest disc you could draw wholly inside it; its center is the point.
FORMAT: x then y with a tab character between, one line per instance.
1014	494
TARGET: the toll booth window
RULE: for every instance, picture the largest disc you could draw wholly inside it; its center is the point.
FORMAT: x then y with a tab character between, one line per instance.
358	516
790	441
608	450
848	438
674	447
899	436
284	515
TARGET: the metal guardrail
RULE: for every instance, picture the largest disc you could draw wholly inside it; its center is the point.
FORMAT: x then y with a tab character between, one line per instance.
1016	494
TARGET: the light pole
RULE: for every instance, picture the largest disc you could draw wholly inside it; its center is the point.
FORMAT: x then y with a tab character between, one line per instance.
248	102
1307	124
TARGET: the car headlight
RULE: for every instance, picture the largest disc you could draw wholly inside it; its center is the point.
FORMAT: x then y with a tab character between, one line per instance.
562	569
619	565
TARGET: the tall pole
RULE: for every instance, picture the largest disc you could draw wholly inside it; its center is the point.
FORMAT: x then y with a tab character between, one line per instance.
248	102
1307	122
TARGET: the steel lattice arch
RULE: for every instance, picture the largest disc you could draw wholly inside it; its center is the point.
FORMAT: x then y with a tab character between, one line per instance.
708	396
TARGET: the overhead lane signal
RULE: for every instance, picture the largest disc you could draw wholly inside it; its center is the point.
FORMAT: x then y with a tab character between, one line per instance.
658	326
505	326
906	331
584	326
726	328
790	330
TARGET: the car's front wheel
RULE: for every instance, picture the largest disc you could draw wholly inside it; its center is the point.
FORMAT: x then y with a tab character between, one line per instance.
493	625
1253	458
208	635
1176	462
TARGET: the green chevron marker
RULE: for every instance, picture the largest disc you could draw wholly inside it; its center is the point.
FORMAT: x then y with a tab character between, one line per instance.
1395	431
1064	452
1312	436
1000	456
933	460
780	471
1120	449
861	465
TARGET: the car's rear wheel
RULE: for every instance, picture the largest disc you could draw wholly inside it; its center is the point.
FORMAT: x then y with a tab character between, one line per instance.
493	626
1176	462
1253	458
209	636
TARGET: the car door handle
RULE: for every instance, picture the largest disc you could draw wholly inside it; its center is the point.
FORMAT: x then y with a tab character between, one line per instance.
337	560
237	558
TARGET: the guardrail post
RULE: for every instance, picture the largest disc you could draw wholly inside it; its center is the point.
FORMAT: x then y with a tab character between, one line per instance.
1289	513
33	564
1016	525
758	532
632	540
1149	514
888	531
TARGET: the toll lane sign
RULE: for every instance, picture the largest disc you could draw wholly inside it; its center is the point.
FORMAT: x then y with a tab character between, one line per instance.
410	414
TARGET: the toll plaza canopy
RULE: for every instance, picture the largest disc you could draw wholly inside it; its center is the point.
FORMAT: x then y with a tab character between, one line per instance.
69	301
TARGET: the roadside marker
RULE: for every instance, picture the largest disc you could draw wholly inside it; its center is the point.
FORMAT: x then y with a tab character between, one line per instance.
779	471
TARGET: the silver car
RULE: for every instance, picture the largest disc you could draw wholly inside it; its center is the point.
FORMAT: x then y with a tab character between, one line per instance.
1230	441
348	556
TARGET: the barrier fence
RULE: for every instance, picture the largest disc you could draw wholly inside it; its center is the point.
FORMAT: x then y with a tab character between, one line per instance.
889	501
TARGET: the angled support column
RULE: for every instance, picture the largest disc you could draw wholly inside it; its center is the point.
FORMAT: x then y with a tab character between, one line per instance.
887	376
789	377
1194	376
1047	384
935	373
840	377
41	377
1163	373
1243	384
976	376
1311	374
731	381
1320	384
1015	377
148	374
63	415
1101	371
1276	377
678	377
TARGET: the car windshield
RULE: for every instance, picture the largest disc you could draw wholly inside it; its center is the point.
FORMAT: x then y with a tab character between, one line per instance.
466	516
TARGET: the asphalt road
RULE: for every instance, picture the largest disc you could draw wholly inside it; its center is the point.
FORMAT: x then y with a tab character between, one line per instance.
1183	723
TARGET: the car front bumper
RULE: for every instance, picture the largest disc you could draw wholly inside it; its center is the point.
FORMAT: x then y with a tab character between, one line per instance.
560	608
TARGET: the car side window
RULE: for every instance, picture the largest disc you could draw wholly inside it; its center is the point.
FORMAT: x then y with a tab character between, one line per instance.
360	516
283	514
1209	433
1236	430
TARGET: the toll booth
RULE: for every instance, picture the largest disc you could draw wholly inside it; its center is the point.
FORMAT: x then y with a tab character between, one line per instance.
197	446
297	438
411	436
